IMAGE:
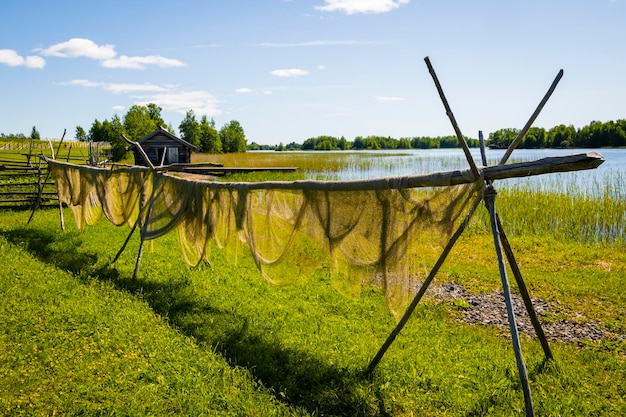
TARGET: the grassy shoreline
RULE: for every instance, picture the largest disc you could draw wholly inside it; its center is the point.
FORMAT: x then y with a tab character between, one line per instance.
81	337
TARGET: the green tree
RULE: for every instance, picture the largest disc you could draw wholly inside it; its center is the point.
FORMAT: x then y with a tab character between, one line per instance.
502	138
535	138
34	134
562	136
140	121
190	129
209	137
343	144
111	132
80	134
404	144
233	137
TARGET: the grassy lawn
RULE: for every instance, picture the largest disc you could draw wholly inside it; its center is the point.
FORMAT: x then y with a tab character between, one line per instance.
79	336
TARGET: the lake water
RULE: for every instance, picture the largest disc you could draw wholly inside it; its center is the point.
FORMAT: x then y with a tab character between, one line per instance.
609	179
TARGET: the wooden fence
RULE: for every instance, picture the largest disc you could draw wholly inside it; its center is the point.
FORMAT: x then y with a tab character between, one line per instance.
25	182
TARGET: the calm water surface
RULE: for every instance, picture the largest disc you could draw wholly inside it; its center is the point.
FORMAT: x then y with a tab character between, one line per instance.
609	179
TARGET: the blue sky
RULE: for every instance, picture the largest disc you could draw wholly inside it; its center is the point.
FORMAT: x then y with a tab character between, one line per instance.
288	70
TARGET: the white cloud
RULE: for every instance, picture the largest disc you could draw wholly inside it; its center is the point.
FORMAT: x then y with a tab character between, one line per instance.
361	6
140	62
268	92
10	58
169	97
79	47
321	67
243	90
13	59
83	83
292	72
390	98
119	108
202	102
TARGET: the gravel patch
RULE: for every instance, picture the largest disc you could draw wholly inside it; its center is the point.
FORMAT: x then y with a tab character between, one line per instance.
490	309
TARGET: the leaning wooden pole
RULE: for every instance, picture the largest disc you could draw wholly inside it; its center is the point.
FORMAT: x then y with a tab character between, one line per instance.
146	221
130	234
457	130
490	195
523	290
530	121
409	311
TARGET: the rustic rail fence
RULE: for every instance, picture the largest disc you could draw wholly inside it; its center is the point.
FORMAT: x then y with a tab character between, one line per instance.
25	182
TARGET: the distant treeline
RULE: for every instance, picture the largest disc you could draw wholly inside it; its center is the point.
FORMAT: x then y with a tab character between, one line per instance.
594	135
331	143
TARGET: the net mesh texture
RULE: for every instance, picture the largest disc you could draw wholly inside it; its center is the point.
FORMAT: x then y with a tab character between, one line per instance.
365	233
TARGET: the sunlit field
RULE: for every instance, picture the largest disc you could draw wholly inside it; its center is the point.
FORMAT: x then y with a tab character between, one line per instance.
81	336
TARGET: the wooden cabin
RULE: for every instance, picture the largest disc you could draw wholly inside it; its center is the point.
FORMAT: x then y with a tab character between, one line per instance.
163	148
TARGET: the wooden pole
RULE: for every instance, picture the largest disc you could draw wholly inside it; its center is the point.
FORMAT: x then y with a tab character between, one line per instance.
409	311
38	202
144	226
483	154
523	290
459	135
119	253
530	121
141	150
516	271
489	198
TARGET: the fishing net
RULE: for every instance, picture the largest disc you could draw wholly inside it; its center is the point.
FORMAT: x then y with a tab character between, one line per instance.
386	232
90	192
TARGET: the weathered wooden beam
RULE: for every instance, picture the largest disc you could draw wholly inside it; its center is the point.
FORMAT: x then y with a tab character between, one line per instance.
548	165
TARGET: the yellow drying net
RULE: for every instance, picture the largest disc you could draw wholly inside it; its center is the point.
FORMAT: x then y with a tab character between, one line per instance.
384	232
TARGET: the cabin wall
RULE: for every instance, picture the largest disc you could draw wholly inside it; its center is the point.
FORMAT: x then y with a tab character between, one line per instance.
154	148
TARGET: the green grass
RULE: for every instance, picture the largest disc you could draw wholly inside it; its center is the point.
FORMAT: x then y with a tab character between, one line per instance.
80	336
305	161
583	219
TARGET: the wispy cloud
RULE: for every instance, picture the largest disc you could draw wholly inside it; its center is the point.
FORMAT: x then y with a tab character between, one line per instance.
168	97
83	83
140	62
201	102
390	98
291	72
243	90
318	43
118	88
106	54
360	6
11	58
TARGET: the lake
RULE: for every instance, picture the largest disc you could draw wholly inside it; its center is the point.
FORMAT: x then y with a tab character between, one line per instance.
609	179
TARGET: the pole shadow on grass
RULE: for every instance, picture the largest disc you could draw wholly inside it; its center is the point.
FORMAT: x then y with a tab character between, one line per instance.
293	376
